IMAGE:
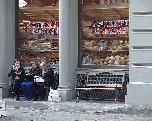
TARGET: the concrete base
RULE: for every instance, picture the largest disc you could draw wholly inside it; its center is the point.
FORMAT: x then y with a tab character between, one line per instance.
4	92
139	94
65	95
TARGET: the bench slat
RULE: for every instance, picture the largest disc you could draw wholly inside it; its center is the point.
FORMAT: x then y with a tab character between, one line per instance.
95	88
105	85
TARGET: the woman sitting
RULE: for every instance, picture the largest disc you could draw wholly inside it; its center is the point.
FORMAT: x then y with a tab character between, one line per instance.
27	86
48	76
18	74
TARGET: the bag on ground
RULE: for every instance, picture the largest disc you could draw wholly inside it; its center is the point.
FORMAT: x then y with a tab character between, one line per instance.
54	96
2	107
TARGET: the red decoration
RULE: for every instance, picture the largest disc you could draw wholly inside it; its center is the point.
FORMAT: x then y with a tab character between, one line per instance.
57	24
52	24
113	31
36	31
124	30
118	30
101	31
110	23
105	1
107	30
116	23
93	23
99	23
105	23
46	24
127	23
116	1
38	25
122	1
110	1
40	31
46	32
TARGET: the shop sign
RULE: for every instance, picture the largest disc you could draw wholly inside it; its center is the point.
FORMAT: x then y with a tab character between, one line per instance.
110	27
51	28
41	31
110	30
119	23
43	25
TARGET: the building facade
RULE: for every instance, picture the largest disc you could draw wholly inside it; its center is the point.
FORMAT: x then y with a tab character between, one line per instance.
139	88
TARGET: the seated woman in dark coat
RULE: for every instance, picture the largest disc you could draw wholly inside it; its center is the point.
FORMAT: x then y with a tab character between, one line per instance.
48	76
27	86
18	74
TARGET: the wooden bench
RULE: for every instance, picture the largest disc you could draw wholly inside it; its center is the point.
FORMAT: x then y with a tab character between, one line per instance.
102	80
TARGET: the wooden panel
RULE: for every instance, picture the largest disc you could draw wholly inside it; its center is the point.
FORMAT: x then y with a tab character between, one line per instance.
117	6
94	88
105	85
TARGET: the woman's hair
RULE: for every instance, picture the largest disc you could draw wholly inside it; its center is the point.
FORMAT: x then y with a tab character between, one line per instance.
44	63
16	60
34	63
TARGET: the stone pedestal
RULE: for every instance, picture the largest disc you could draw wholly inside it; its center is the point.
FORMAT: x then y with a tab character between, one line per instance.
65	94
139	94
4	92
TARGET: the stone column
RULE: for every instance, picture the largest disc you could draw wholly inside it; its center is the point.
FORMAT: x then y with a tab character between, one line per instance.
73	43
7	42
10	37
2	42
64	50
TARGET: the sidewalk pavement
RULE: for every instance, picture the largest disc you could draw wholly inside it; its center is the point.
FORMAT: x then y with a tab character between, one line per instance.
91	110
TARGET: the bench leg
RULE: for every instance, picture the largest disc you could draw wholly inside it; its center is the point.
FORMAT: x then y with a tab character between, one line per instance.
78	92
12	91
87	95
47	93
116	94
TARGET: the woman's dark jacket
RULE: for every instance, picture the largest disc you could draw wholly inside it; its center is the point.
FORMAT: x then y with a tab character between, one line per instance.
49	77
13	74
34	72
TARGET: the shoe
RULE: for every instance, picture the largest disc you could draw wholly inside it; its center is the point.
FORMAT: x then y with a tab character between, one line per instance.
29	99
17	99
39	99
34	99
13	92
45	99
26	98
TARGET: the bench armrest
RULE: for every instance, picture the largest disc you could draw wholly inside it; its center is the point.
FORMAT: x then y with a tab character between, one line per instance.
81	80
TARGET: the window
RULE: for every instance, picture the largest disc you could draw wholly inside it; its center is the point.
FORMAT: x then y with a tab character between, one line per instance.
104	36
38	31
